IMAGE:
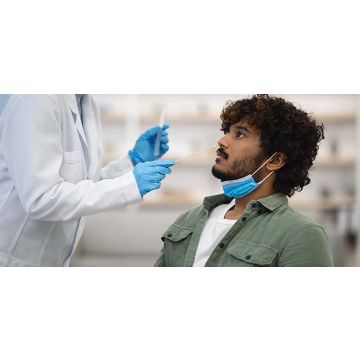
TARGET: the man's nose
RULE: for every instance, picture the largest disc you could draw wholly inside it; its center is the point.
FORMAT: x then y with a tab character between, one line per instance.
222	142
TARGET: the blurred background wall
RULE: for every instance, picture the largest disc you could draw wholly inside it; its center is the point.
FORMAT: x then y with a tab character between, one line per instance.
132	236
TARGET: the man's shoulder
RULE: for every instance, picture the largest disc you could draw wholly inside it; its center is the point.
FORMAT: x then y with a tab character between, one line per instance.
302	241
296	218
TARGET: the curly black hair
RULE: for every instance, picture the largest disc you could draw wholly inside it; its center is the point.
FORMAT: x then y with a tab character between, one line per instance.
282	128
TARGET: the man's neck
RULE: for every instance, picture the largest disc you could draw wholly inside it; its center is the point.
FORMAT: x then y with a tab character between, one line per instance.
259	193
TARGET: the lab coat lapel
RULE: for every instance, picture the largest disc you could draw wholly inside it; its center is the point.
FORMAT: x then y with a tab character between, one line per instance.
92	135
77	120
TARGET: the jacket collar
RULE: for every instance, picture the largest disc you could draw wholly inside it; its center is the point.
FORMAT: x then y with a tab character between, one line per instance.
211	202
271	202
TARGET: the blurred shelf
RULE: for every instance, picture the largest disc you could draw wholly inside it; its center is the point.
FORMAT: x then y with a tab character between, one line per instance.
301	203
318	203
184	119
335	162
171	202
341	118
111	118
150	119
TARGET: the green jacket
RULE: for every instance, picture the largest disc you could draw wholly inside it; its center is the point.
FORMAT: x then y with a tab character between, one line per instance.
269	233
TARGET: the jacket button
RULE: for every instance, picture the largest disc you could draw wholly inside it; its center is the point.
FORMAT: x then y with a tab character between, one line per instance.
169	235
221	245
253	205
243	219
248	257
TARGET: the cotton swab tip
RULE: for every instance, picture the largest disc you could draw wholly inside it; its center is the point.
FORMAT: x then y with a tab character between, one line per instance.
162	116
158	137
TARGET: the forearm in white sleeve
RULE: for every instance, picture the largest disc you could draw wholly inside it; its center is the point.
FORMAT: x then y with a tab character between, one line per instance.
117	168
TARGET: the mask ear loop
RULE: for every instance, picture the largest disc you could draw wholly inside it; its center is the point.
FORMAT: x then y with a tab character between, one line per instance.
260	182
263	165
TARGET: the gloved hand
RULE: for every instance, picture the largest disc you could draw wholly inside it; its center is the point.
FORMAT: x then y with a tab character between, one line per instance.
149	174
145	145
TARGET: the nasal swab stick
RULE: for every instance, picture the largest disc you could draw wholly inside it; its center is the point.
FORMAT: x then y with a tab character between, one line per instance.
198	153
158	137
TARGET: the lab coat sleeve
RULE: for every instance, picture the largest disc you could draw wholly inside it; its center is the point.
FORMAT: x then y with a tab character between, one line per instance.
117	168
122	167
32	143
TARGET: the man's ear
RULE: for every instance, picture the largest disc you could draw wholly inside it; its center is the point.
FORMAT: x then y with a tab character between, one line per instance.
277	162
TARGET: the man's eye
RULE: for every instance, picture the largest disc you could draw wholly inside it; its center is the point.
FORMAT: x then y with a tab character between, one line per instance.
239	134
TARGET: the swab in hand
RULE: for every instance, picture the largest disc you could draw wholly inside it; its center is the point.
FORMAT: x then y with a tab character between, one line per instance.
158	137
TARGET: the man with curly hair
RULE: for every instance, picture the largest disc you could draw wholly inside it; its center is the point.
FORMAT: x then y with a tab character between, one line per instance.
265	155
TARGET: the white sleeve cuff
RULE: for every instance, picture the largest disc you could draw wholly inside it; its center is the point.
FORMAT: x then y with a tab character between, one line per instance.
130	188
128	163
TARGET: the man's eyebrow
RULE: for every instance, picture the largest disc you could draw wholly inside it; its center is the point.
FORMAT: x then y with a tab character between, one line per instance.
241	127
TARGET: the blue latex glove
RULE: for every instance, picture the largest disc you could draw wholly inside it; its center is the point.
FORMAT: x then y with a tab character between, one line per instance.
149	174
145	145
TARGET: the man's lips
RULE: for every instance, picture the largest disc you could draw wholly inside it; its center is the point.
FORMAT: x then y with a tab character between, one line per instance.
221	154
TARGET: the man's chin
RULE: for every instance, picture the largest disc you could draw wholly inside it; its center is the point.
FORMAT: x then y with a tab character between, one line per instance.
220	174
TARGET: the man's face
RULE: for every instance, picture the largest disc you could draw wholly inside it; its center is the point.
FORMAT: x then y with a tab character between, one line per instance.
239	153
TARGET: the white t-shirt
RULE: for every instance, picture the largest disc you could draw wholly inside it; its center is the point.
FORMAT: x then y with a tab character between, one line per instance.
214	230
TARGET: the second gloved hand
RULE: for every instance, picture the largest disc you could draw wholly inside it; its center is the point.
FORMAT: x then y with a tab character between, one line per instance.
144	149
149	174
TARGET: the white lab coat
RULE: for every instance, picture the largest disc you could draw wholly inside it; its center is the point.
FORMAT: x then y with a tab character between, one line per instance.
51	176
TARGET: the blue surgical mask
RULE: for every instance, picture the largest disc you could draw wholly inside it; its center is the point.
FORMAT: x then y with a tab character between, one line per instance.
241	187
